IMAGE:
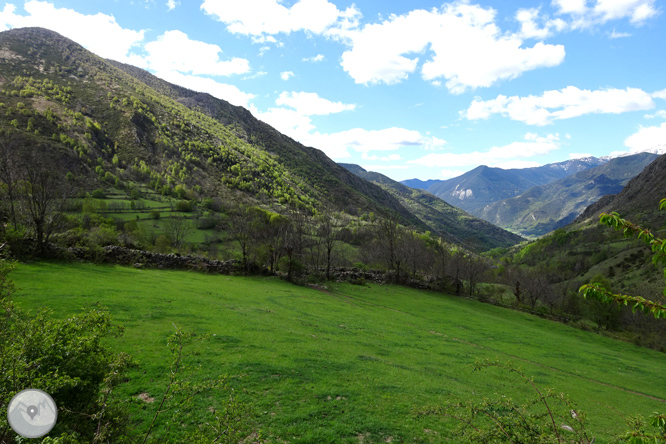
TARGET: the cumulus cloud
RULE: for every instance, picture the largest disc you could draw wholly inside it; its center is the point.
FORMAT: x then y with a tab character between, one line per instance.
532	145
222	91
579	155
531	28
171	4
286	75
258	17
310	104
601	11
100	33
466	48
561	104
647	138
297	124
174	51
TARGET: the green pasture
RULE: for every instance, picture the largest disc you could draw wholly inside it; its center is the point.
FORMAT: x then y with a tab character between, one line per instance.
350	364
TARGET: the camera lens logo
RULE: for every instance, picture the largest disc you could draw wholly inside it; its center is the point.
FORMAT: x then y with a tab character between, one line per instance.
32	413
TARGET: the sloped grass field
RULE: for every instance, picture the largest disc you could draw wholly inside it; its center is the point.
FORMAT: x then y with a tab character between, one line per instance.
352	364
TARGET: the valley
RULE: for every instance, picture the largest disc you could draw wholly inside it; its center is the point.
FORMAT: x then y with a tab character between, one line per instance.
337	304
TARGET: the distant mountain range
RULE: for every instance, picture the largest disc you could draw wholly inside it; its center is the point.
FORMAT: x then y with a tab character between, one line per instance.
534	201
544	208
484	185
453	224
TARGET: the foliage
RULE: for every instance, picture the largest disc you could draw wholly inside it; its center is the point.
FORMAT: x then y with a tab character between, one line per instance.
658	246
66	358
548	417
637	434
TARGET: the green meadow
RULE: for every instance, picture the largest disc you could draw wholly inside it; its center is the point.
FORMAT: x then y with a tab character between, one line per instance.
349	364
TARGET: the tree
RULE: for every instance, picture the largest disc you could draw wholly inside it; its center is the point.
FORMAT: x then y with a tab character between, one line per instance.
244	229
177	228
474	267
597	290
9	174
42	195
327	232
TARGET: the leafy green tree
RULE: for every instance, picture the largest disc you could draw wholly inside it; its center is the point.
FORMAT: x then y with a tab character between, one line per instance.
639	433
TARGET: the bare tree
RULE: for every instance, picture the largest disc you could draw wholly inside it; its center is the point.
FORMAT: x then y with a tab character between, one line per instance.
327	231
9	173
42	195
177	228
474	267
243	228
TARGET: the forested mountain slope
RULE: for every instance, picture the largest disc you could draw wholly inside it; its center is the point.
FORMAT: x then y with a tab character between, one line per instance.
61	97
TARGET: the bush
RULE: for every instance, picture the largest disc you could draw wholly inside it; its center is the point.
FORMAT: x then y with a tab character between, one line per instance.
184	206
154	214
99	194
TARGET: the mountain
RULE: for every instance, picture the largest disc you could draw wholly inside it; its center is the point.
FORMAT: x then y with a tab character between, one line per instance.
420	184
451	223
97	117
484	185
638	200
544	208
107	124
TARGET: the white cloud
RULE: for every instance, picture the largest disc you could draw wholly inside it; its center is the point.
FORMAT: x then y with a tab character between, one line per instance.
659	94
222	91
533	145
618	35
310	104
286	75
171	4
468	49
561	104
602	11
579	155
646	138
258	17
448	174
174	51
515	164
531	29
317	58
661	113
389	158
383	167
100	33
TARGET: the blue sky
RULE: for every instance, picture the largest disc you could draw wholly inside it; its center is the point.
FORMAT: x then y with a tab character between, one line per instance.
406	88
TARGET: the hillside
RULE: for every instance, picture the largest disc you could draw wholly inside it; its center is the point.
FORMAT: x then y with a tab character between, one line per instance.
639	199
484	185
453	224
353	361
69	101
585	250
544	208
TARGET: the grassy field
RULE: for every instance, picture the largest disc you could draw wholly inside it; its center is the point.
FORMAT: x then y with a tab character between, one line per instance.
353	364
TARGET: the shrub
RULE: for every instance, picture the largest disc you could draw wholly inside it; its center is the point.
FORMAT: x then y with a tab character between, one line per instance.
154	214
184	206
99	194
